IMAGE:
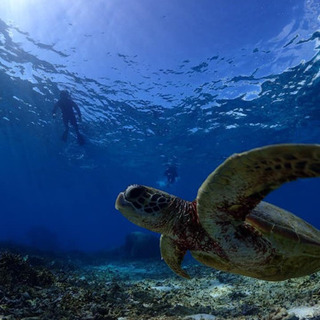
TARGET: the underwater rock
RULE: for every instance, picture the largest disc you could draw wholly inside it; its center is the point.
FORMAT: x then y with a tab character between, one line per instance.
140	245
201	316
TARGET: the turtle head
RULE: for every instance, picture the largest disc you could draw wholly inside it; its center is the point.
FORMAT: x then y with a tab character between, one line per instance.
145	207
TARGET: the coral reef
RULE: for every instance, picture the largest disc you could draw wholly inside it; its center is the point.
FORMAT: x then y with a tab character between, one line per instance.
39	288
16	270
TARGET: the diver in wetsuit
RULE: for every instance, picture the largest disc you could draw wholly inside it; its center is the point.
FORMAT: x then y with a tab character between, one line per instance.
67	107
171	173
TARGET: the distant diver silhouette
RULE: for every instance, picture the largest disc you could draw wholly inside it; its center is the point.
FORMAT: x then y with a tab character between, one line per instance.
67	107
171	173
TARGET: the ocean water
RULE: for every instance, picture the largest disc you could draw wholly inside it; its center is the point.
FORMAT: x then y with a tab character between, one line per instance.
188	83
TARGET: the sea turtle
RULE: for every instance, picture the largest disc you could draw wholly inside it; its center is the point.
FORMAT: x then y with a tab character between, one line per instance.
228	227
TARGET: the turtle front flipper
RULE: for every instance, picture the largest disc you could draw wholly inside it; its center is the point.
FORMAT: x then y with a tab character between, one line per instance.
173	255
243	180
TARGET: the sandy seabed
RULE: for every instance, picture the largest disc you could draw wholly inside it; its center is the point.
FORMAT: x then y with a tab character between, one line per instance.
32	289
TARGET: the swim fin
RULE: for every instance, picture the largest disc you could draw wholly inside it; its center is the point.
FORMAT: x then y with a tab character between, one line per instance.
81	140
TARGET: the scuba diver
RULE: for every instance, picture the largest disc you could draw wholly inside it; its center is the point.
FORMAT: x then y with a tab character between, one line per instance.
171	173
67	107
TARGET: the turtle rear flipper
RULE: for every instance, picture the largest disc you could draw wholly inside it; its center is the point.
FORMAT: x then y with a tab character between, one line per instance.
243	180
291	233
173	255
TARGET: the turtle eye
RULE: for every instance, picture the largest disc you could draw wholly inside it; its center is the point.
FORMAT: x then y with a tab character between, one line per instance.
134	192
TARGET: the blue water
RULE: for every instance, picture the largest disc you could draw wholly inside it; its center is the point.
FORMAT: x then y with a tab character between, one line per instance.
189	83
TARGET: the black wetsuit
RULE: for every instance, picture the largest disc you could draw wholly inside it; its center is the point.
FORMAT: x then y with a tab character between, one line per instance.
67	107
171	174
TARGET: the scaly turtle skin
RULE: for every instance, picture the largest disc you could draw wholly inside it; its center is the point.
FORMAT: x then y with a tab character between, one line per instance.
228	226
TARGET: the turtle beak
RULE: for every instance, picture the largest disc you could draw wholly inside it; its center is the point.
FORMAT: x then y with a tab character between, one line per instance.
122	203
